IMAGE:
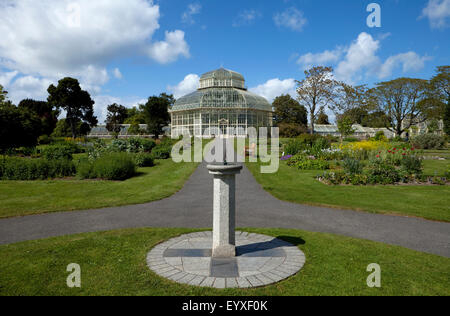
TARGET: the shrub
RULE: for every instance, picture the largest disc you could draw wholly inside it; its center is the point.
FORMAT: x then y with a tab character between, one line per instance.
311	144
162	151
293	147
291	130
351	139
412	165
428	141
34	169
303	162
85	169
57	152
116	166
353	166
113	166
381	172
44	140
380	137
143	160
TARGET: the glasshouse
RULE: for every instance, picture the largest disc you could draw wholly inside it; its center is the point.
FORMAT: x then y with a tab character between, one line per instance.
221	106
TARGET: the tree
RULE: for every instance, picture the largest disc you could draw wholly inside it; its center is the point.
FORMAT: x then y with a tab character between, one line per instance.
345	126
316	90
447	119
18	128
134	129
291	130
135	116
376	119
441	91
156	113
3	94
401	100
322	118
289	111
47	114
77	103
117	114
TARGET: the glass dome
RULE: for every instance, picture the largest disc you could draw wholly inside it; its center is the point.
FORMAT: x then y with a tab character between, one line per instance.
221	97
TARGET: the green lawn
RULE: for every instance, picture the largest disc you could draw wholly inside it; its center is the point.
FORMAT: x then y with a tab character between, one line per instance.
113	263
290	184
436	167
19	198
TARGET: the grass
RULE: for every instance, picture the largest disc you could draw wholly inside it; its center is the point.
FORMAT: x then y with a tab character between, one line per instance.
113	263
436	167
19	198
290	184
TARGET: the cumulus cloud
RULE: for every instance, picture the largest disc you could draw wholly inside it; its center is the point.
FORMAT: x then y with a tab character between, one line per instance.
168	50
437	12
320	59
274	88
187	85
360	60
44	41
5	78
291	18
360	55
188	15
28	87
246	17
409	62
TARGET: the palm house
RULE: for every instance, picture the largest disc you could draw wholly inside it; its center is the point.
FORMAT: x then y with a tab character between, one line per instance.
221	106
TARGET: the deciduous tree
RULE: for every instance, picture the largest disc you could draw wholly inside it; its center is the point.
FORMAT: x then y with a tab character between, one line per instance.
401	100
117	114
77	103
156	113
316	91
289	111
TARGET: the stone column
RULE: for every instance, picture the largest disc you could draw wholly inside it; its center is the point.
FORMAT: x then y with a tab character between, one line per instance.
224	241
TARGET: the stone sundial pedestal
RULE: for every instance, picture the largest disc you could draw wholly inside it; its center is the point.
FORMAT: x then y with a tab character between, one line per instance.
224	209
225	258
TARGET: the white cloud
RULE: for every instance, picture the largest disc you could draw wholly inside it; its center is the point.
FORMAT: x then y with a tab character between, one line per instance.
274	88
5	78
187	85
409	62
168	50
359	60
291	18
246	17
360	55
188	15
59	38
102	102
437	12
28	87
117	74
320	59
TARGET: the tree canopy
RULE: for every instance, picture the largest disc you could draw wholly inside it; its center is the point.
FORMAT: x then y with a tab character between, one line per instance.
156	113
46	113
289	111
401	100
77	103
316	91
19	127
117	114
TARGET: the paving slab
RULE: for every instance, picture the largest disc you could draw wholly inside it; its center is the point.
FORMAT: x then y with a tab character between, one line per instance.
196	267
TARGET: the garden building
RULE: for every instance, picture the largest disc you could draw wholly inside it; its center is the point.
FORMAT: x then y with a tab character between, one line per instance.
221	102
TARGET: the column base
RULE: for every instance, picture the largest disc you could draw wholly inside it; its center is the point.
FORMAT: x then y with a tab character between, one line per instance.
224	251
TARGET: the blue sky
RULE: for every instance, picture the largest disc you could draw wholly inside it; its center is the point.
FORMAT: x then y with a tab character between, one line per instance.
126	51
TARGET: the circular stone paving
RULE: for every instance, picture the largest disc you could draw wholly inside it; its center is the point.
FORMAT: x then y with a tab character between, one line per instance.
260	260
